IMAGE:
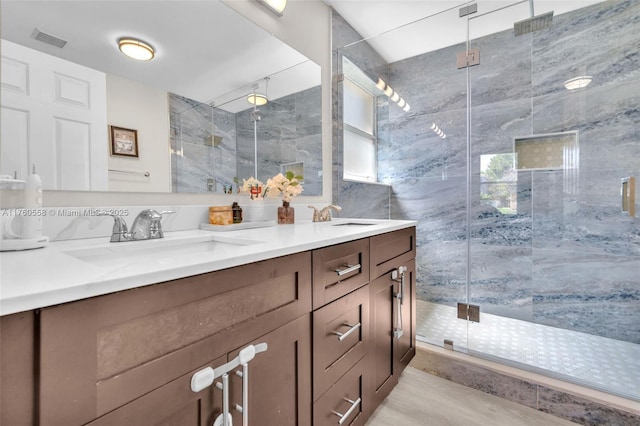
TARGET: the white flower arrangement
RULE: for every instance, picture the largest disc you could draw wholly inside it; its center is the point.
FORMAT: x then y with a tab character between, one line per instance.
288	185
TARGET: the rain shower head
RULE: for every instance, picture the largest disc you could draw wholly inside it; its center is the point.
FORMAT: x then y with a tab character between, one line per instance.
535	23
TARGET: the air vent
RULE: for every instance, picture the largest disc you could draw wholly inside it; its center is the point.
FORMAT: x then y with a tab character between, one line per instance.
47	38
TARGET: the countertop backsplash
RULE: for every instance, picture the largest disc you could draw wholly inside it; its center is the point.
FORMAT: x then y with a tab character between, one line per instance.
70	223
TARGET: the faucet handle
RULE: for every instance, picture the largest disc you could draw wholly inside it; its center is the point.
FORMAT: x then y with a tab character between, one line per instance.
316	214
120	232
159	233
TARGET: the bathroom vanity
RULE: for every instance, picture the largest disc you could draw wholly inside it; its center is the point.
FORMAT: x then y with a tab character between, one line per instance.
335	303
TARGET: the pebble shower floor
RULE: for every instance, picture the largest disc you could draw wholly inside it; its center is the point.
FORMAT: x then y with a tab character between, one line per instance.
609	365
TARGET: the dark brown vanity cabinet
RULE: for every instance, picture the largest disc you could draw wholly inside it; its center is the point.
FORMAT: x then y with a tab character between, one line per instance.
330	318
127	351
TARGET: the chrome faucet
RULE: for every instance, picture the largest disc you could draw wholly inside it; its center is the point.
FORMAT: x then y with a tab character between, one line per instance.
324	215
146	226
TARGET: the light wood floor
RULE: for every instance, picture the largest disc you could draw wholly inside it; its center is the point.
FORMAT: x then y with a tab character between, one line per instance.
421	399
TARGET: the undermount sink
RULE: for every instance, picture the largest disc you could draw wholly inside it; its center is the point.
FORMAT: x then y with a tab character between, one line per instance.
162	248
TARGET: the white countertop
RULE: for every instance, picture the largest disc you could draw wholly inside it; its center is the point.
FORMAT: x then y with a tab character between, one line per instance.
71	270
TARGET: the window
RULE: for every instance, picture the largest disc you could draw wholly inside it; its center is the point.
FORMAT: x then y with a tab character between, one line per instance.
359	133
499	182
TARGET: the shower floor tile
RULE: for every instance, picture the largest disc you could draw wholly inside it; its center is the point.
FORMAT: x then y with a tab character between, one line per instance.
594	361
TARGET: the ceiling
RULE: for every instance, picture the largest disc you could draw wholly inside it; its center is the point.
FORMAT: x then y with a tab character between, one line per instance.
204	49
401	29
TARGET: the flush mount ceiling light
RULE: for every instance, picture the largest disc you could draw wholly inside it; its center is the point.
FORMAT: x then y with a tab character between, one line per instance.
275	6
578	82
136	49
257	99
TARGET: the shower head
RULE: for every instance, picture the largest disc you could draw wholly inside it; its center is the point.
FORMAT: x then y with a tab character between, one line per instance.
535	23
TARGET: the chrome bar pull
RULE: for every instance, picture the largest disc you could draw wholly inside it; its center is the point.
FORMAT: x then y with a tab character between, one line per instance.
345	416
345	269
342	336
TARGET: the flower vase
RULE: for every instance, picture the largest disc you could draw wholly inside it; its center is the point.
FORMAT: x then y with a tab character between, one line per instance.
254	210
286	214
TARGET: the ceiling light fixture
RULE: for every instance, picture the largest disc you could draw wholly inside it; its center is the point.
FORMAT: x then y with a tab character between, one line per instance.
136	49
257	99
275	6
578	82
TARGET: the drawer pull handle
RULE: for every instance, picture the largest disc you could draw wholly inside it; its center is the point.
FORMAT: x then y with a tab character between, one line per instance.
342	336
354	405
345	269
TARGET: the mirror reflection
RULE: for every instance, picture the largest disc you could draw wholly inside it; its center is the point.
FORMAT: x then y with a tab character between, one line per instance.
60	104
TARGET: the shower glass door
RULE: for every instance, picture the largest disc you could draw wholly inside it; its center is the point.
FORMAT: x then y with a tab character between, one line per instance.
554	139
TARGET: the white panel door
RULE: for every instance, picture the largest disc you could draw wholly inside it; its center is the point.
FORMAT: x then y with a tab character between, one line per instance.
54	116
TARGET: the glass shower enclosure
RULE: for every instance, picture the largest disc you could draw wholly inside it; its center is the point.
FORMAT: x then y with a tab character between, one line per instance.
518	159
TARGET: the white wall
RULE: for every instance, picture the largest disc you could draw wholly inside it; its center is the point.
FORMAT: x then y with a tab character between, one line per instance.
133	105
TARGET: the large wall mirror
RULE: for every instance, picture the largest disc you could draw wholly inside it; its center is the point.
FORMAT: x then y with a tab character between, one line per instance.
91	119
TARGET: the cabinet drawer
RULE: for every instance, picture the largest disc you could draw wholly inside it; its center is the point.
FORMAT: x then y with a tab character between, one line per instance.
338	270
344	400
340	338
397	246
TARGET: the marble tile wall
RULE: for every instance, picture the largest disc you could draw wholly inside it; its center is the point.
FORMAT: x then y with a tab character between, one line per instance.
568	257
288	132
194	158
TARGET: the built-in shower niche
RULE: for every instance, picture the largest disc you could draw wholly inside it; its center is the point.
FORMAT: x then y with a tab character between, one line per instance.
552	151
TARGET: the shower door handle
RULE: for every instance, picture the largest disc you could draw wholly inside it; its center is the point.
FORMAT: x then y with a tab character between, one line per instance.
628	193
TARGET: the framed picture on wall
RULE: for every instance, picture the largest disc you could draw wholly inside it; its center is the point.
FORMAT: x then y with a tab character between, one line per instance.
124	142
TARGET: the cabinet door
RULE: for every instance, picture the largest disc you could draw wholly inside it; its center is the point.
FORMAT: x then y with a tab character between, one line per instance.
17	369
173	404
407	342
392	326
279	379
